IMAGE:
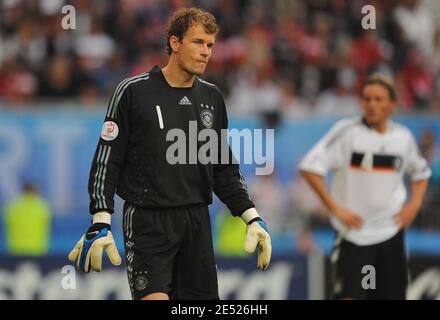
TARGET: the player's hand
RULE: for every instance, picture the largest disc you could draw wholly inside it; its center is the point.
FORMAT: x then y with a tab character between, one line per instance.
350	219
257	235
406	215
89	249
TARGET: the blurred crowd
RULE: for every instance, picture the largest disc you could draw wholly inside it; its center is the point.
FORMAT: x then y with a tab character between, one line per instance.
283	58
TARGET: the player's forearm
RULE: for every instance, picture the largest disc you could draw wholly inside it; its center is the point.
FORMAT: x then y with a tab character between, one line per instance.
418	191
317	182
104	176
230	187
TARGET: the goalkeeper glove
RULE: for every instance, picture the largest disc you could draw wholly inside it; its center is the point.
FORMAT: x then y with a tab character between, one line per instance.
257	235
89	249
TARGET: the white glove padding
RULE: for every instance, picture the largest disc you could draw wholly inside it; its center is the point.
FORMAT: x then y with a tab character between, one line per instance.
257	235
89	249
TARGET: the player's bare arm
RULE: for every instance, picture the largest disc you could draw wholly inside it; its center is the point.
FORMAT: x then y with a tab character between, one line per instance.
409	211
349	218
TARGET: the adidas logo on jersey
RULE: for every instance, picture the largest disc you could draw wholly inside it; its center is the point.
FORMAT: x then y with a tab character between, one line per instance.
185	101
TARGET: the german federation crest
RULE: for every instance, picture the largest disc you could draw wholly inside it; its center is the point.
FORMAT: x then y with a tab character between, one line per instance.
397	163
140	283
207	118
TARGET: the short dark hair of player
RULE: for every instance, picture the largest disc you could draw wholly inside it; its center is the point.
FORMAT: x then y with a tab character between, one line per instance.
184	18
382	80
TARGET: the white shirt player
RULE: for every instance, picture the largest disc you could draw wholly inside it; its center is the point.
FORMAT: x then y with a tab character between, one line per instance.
368	174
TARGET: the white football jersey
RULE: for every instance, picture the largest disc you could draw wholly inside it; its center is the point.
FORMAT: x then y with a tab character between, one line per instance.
368	174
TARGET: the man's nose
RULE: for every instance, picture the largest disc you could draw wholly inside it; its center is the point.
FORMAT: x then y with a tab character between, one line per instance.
371	106
205	52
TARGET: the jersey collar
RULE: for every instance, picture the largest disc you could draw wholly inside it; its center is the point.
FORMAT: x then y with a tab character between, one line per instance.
389	125
156	69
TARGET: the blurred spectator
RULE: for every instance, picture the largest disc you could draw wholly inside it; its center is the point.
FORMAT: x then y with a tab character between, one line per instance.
27	221
340	99
17	83
417	23
255	92
415	82
228	18
400	45
27	44
59	81
435	56
310	82
367	52
294	107
95	48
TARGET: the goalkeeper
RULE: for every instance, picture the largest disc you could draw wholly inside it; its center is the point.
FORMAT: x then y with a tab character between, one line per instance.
167	232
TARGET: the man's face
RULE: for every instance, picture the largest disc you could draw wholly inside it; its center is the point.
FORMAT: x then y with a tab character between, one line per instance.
194	51
376	103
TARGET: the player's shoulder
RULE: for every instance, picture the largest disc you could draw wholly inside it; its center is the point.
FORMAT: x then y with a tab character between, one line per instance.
130	82
206	83
208	86
345	125
342	128
348	122
401	129
148	81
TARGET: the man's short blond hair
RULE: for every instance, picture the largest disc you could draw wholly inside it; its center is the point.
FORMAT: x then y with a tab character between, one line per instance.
382	80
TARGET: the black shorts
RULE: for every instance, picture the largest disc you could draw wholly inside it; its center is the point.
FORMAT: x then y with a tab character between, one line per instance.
354	278
170	251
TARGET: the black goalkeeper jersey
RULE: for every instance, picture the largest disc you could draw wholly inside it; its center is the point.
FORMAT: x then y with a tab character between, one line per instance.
131	156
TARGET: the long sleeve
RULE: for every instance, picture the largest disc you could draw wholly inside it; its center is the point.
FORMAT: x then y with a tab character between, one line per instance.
229	183
110	152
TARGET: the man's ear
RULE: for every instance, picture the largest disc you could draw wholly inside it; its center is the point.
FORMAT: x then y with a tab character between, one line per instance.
175	43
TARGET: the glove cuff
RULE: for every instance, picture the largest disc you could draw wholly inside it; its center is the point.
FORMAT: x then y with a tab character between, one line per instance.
255	220
95	229
249	215
102	217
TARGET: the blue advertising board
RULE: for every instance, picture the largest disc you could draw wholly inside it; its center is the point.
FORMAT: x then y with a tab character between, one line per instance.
54	277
